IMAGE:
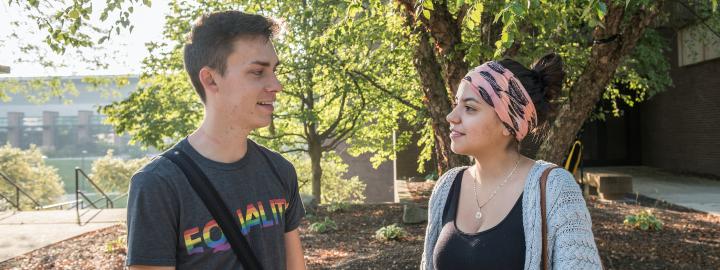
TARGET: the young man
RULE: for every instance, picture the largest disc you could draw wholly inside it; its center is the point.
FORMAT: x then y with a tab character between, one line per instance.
231	62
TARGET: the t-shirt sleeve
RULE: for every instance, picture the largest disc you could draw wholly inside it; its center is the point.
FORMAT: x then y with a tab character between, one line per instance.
296	210
152	218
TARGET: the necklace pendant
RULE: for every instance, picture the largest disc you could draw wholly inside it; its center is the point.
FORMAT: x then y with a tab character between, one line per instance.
478	215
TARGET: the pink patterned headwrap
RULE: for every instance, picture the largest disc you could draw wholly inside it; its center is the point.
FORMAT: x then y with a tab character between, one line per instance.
499	88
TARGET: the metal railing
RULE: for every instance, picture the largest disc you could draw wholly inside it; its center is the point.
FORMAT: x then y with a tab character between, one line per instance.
18	192
79	194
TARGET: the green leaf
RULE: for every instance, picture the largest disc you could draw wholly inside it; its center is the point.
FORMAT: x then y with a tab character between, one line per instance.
428	5
459	3
74	14
601	10
147	3
426	14
476	13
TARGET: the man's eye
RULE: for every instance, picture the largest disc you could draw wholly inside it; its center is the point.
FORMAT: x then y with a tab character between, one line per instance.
257	73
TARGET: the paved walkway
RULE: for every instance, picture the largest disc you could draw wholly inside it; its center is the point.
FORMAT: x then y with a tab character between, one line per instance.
29	230
692	192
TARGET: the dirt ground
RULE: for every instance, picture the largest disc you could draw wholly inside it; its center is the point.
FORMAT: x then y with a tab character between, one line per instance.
689	240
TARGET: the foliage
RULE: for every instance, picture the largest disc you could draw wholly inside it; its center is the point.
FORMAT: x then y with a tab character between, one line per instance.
340	206
27	169
362	52
390	232
323	226
69	24
113	174
644	220
118	245
332	72
336	188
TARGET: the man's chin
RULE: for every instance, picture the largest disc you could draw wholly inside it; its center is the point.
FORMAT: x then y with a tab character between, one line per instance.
262	123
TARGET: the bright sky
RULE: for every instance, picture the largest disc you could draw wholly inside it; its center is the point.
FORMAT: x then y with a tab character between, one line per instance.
126	50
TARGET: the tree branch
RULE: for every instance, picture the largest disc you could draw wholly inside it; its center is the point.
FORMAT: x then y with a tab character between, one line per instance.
338	119
385	90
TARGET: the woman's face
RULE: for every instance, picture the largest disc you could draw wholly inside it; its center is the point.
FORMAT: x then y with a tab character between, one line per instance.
475	128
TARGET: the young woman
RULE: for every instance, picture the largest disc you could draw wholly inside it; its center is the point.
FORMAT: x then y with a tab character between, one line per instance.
487	216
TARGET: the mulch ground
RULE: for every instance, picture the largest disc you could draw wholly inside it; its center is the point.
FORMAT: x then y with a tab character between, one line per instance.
689	240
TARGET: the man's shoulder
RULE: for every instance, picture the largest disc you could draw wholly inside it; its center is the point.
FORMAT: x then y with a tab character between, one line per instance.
276	158
156	172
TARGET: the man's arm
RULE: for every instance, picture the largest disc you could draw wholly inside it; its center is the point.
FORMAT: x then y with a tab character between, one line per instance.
293	251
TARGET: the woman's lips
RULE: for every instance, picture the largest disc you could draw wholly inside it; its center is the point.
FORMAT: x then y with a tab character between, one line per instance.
455	134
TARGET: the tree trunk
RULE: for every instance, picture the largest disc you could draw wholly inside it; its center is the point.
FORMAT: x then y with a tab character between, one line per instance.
447	34
437	102
435	92
315	151
598	73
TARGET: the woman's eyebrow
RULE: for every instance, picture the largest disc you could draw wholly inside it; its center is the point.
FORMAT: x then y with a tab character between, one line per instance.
467	99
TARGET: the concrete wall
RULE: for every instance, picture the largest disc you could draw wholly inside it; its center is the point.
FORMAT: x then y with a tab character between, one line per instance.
379	182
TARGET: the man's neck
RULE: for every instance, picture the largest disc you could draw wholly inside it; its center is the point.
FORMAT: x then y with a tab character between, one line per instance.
219	141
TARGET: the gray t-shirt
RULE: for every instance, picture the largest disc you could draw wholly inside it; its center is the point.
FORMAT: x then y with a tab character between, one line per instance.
168	224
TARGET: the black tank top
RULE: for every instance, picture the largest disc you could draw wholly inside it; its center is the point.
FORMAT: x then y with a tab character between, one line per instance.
500	247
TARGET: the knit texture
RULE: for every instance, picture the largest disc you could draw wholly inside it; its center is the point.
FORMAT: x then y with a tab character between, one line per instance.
571	244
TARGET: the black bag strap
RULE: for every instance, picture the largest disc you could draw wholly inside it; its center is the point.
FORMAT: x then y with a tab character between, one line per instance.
222	215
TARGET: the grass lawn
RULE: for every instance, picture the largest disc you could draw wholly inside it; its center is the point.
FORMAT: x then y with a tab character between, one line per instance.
66	169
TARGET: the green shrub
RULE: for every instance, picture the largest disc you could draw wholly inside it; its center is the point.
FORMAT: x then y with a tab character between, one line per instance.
323	226
28	170
432	176
118	245
390	232
338	207
113	174
335	188
645	220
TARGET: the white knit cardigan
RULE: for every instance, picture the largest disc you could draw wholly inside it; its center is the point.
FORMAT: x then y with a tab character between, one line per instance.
571	244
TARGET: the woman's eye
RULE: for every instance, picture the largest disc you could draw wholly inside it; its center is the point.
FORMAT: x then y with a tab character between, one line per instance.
468	108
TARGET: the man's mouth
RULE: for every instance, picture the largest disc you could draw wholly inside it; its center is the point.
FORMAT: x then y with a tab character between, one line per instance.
269	105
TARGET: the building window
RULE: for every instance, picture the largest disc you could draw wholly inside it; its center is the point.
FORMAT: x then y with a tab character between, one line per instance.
696	43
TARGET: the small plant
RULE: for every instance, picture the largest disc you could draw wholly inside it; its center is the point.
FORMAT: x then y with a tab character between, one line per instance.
390	232
323	226
645	220
338	207
118	245
432	176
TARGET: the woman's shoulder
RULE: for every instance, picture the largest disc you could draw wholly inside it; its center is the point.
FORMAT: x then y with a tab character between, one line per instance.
450	175
445	181
558	175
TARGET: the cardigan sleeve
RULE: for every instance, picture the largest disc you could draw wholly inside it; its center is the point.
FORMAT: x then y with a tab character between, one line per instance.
570	233
436	205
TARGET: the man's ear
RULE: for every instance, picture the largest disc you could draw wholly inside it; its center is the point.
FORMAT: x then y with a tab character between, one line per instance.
207	79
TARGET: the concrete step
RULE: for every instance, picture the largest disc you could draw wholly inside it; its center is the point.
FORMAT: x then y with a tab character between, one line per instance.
65	216
25	231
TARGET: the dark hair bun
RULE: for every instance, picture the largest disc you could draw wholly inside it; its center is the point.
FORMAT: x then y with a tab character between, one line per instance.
551	75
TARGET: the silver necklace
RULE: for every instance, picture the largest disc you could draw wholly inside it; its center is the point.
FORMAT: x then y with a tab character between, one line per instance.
478	214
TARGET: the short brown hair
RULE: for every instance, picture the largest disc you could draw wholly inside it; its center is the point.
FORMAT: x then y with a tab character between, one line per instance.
211	41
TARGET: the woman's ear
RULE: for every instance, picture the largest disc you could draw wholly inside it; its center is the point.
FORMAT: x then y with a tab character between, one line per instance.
506	132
